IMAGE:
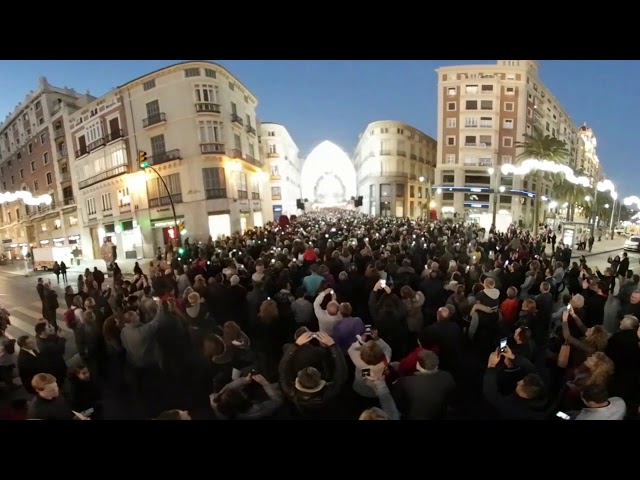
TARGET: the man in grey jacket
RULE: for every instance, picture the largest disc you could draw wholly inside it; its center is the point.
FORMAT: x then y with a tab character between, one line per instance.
142	357
599	406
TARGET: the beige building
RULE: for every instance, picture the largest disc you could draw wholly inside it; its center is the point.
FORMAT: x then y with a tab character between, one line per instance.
483	111
35	158
395	165
197	124
586	161
283	165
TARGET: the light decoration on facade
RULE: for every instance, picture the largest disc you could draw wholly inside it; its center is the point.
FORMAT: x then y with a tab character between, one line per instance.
527	166
629	201
26	197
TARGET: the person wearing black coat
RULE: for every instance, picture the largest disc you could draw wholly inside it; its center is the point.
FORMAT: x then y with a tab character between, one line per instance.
52	348
29	362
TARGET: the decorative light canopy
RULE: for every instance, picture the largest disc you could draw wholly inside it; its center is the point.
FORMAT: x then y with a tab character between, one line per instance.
26	197
527	166
628	201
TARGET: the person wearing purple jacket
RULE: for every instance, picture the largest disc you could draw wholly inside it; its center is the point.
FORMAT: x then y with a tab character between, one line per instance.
347	328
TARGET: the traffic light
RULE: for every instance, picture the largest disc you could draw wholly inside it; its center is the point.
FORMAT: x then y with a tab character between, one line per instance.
172	233
182	229
142	159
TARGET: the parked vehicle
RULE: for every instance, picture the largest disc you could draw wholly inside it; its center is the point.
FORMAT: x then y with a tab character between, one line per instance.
633	244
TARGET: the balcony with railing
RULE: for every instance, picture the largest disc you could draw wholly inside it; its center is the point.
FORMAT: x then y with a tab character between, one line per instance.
63	153
105	175
81	152
101	142
164	157
252	161
165	200
65	177
237	119
243	194
154	119
68	201
235	153
115	135
58	133
207	107
255	195
250	130
413	156
273	155
212	148
401	153
215	193
385	152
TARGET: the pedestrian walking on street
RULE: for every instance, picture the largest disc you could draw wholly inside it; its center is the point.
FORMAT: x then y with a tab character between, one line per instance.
40	289
56	271
63	271
51	305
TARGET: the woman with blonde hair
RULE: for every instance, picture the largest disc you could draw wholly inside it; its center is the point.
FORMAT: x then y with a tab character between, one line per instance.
413	301
597	369
595	339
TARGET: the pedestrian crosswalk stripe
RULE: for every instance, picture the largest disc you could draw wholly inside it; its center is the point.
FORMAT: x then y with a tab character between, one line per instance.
26	327
37	315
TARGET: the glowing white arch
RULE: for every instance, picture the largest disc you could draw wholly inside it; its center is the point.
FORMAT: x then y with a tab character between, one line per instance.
26	197
327	160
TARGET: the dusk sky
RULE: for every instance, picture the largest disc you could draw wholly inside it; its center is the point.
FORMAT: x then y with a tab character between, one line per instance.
335	100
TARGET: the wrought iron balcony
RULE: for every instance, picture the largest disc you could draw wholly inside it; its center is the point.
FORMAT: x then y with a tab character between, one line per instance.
236	119
154	119
212	148
165	201
214	193
164	157
115	135
207	107
250	130
105	175
101	142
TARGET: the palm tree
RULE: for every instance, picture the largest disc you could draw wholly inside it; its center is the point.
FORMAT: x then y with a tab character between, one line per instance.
540	146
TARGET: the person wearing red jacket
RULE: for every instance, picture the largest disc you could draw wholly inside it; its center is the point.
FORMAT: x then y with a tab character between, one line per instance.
407	366
510	307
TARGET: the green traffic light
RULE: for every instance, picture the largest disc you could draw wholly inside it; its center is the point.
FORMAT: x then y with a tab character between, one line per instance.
181	251
144	164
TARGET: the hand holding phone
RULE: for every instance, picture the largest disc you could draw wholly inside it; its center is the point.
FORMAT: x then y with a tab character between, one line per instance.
383	283
503	345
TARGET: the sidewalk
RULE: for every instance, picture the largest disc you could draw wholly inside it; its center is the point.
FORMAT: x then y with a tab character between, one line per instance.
18	267
604	246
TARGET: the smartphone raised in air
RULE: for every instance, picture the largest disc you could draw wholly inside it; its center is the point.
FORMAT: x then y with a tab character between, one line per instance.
563	416
383	283
503	345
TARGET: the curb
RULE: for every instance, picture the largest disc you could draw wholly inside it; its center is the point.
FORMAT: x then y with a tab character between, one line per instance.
596	253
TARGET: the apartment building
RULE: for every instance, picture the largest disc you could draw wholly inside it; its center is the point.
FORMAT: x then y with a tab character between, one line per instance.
34	157
586	161
197	124
282	161
483	111
395	165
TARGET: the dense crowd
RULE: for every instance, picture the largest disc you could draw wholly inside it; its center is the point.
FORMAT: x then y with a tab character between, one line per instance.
346	316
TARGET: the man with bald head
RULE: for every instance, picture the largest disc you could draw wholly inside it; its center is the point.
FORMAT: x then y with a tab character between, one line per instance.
327	318
447	336
623	349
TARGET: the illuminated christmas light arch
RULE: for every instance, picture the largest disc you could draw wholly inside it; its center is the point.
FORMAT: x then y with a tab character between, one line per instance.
26	197
328	175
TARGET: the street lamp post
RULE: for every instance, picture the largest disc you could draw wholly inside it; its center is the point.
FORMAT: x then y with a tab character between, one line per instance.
173	207
495	180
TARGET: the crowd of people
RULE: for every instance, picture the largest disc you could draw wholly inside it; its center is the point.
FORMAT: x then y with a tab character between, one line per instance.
344	316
